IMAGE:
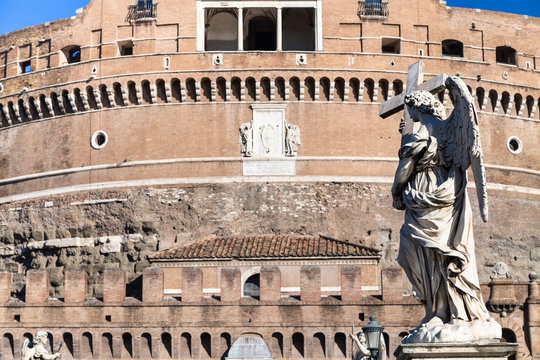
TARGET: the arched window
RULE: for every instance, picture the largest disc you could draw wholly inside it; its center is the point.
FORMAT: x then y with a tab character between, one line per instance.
185	346
166	345
146	345
68	341
319	346
339	89
452	48
8	350
221	30
340	347
225	344
294	91
127	348
298	345
506	55
252	286
261	33
106	345
280	88
310	87
70	54
87	345
277	345
206	343
298	29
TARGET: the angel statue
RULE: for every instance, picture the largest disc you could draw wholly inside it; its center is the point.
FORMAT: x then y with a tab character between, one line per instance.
361	342
34	350
246	139
436	248
292	140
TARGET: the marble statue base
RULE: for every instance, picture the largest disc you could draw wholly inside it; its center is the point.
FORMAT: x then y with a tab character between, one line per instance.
455	331
451	351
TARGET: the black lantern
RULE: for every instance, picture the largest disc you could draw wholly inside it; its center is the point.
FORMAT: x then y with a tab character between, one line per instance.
373	336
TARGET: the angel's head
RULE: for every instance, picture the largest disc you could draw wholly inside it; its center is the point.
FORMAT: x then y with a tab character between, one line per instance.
41	337
425	102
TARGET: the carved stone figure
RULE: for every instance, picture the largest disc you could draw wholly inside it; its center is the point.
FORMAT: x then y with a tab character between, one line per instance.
292	140
363	352
246	139
500	271
436	240
36	349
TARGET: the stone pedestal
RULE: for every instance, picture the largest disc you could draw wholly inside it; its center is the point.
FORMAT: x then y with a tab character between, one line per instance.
463	351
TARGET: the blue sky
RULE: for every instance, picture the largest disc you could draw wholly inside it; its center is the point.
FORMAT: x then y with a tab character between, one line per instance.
17	14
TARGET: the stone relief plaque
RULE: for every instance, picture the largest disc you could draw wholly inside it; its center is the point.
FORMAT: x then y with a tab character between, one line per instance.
268	144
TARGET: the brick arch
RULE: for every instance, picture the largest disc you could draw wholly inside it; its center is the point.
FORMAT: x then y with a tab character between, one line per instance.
339	88
7	346
294	84
355	89
384	87
509	323
247	274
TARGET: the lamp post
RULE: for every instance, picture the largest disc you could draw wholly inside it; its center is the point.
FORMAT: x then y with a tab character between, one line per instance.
373	336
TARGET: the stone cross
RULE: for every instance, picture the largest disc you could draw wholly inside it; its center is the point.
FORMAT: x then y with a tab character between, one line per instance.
415	81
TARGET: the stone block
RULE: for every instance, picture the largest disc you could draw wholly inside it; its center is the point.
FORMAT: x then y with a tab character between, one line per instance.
310	283
535	254
351	283
152	285
392	284
75	286
114	286
192	284
231	283
270	283
6	279
37	286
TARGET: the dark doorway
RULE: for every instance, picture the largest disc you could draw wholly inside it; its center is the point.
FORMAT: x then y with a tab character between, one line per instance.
261	34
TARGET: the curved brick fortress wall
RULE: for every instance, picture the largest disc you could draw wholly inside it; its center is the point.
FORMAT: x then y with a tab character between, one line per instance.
172	168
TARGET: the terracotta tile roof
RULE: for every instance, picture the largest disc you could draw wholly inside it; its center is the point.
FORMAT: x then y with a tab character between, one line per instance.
264	247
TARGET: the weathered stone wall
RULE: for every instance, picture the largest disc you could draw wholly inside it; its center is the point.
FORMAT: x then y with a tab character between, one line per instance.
119	229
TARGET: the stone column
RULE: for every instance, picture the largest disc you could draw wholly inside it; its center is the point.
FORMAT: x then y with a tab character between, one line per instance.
351	283
6	279
75	286
37	286
114	286
240	29
270	283
230	284
192	285
310	283
152	285
279	30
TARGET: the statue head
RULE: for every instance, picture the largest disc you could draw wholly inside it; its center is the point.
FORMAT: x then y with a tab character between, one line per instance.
424	102
41	337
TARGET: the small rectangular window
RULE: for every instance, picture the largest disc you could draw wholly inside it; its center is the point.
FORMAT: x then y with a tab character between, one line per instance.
527	64
26	67
421	52
126	48
391	46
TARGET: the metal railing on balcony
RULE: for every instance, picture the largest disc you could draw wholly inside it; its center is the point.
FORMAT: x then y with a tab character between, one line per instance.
372	8
138	12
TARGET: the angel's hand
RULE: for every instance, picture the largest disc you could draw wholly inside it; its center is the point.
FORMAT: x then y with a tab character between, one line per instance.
398	203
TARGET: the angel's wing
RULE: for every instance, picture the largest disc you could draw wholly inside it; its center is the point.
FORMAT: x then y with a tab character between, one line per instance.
462	142
25	351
